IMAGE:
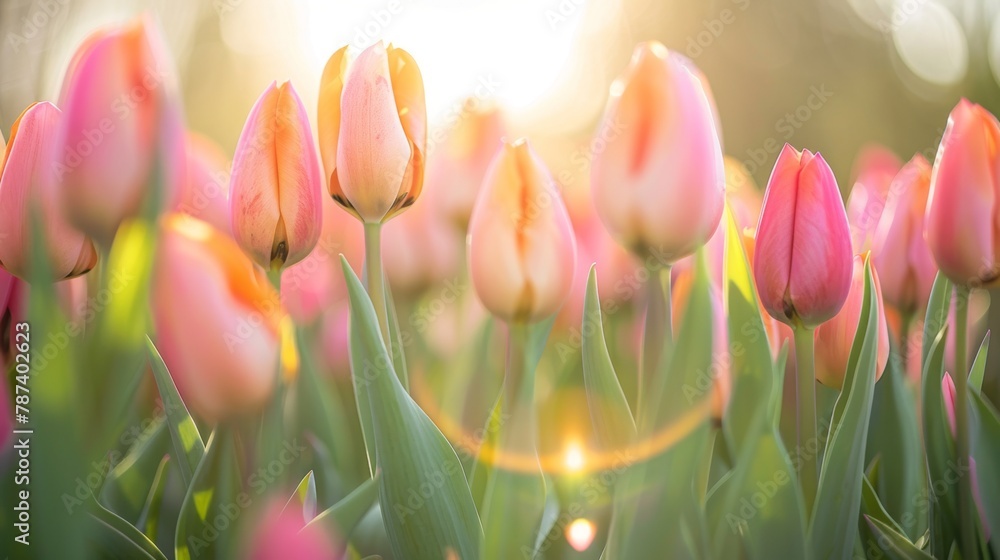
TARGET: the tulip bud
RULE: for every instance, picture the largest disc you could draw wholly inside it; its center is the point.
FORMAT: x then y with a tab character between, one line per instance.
835	337
901	254
659	184
218	320
870	193
522	251
27	193
962	204
275	189
121	126
373	131
282	533
802	262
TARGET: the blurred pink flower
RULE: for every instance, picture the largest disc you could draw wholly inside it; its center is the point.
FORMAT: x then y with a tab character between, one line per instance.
870	193
205	194
283	534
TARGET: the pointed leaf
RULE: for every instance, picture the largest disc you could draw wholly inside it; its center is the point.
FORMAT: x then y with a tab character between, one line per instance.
113	537
188	446
979	365
127	486
894	545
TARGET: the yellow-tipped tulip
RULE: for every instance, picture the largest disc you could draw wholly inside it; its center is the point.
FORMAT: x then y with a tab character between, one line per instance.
275	189
373	131
521	244
27	193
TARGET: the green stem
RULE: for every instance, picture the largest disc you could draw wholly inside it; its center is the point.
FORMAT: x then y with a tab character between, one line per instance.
375	280
967	516
805	409
272	427
657	338
519	392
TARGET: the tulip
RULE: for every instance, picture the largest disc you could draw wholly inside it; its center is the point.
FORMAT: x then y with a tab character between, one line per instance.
962	204
205	193
456	165
26	188
835	337
659	184
282	533
905	263
218	320
121	126
373	131
275	189
871	193
802	261
522	251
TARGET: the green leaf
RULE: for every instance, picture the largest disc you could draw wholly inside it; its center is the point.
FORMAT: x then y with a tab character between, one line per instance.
304	497
149	517
940	450
984	429
431	511
127	486
979	365
871	506
752	369
340	519
834	527
936	317
214	492
894	545
609	410
113	537
396	338
188	446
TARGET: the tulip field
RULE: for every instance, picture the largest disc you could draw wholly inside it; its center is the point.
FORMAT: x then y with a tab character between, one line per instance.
349	335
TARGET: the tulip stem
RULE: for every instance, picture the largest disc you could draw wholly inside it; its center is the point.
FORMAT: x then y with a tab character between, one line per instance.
657	336
805	409
375	281
967	519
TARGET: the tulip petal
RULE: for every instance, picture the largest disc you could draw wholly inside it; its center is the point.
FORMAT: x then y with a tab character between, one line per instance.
408	92
772	259
299	183
328	121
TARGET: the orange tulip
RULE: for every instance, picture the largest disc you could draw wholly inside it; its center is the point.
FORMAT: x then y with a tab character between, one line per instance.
218	320
901	254
962	204
659	185
522	251
373	131
802	261
275	190
121	125
835	337
25	188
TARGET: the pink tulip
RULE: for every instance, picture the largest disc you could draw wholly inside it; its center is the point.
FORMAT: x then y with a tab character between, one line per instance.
522	251
373	131
313	285
835	337
205	194
457	160
803	252
282	533
275	189
962	205
901	254
659	184
121	127
217	318
421	249
28	196
871	193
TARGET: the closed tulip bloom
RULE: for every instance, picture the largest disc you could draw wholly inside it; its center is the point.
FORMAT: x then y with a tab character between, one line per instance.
373	131
217	318
905	263
522	250
27	193
659	184
275	190
802	262
122	126
962	205
835	337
